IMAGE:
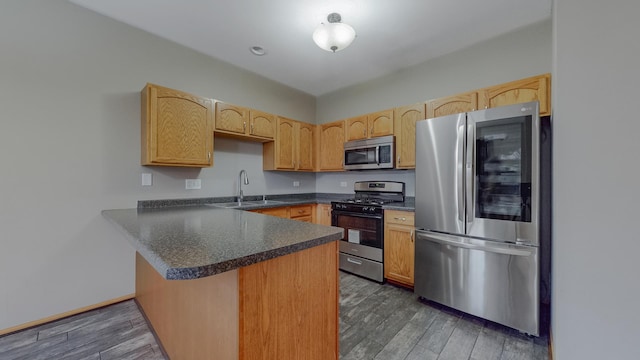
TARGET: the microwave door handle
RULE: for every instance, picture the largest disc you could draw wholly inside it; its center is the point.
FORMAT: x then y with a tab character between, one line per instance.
378	155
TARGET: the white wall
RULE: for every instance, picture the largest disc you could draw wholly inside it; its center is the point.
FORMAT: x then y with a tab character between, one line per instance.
596	267
70	135
519	54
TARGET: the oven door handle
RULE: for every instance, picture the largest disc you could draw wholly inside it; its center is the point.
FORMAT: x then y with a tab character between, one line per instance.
339	212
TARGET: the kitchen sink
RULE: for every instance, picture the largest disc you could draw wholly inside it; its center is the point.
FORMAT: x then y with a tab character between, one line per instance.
235	204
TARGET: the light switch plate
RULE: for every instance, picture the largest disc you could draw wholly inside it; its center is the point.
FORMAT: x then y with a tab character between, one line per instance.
147	179
296	183
343	184
192	184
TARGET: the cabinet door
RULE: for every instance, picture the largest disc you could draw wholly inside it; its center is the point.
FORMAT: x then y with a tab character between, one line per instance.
262	124
231	118
357	128
380	123
305	146
285	144
452	104
405	119
323	214
529	89
331	151
177	128
282	212
399	253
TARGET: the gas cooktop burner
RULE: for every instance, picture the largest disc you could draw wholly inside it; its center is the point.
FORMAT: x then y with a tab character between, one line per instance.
367	201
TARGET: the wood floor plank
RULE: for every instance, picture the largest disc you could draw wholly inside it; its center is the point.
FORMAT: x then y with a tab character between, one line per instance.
438	333
406	339
462	340
420	353
489	344
31	351
19	339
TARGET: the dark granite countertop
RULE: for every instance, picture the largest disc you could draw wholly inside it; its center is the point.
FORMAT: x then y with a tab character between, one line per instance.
254	202
190	242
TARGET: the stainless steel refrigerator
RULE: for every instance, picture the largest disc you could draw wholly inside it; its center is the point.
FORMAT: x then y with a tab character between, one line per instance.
482	213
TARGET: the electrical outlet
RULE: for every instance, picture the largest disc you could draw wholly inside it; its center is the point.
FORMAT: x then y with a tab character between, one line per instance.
147	179
343	184
192	184
296	184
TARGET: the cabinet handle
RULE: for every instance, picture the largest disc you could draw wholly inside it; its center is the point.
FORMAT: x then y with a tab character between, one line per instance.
371	132
251	128
209	155
412	234
244	126
300	211
398	159
400	218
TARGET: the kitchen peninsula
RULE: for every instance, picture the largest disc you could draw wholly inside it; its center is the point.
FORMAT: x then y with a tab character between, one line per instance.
220	283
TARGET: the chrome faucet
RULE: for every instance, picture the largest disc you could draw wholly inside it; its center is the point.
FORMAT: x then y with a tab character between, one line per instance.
240	181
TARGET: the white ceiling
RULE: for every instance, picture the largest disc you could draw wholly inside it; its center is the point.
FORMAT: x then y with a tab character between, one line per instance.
392	34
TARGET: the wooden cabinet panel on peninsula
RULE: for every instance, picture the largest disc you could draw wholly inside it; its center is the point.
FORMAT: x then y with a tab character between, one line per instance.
529	89
177	128
399	242
238	121
371	125
405	119
331	146
292	148
452	104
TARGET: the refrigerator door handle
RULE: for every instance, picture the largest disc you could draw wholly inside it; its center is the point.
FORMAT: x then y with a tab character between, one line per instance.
469	170
498	249
459	171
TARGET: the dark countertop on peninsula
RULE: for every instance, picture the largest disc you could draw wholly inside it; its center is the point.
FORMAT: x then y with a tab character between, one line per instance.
190	242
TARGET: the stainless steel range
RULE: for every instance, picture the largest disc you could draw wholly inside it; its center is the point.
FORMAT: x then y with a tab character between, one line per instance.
362	218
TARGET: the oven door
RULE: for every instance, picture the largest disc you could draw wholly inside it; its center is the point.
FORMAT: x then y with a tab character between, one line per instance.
360	229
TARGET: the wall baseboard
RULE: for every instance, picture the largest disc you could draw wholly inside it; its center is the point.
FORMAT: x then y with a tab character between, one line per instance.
66	314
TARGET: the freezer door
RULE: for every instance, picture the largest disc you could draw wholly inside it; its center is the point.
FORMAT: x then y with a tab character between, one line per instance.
439	174
502	173
492	280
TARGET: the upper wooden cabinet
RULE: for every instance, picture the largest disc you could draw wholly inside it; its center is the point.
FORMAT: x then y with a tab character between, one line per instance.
405	119
529	89
331	146
177	128
293	148
452	104
237	121
371	125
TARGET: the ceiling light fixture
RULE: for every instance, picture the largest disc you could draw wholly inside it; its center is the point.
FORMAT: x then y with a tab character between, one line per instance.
335	35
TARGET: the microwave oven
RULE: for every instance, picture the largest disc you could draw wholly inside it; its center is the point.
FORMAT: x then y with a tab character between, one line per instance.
375	153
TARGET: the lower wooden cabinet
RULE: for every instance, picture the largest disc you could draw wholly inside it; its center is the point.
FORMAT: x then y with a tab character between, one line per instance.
304	212
399	247
323	214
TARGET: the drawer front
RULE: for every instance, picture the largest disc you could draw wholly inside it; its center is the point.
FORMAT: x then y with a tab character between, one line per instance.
361	266
399	217
300	211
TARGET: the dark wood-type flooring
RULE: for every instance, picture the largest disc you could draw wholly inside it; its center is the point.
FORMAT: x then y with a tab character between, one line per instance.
376	322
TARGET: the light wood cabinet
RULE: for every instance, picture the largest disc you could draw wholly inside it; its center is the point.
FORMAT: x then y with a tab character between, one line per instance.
452	104
529	89
323	216
282	212
399	247
305	212
330	148
237	121
405	119
293	148
281	308
371	125
176	128
302	212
